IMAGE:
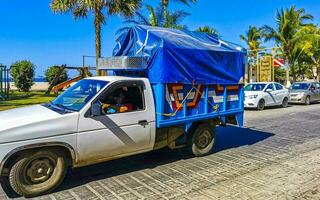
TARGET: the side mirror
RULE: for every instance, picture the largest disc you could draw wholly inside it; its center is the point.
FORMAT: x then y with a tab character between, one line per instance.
269	90
312	88
96	109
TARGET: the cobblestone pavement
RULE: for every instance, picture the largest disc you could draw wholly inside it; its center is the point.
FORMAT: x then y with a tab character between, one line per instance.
275	157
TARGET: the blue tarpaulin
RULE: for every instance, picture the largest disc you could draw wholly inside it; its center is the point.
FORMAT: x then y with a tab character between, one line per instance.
179	56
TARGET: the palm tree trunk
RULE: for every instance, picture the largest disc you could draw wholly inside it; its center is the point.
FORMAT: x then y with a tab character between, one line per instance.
165	12
287	73
97	26
293	74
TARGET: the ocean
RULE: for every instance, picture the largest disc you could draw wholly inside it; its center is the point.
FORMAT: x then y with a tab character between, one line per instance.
37	80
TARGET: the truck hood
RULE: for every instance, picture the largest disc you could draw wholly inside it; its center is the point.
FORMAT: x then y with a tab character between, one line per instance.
26	115
34	122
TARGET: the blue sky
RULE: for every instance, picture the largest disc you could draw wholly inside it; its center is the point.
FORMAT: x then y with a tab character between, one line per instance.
29	30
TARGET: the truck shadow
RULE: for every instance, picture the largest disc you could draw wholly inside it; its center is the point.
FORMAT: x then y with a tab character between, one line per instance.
227	138
233	137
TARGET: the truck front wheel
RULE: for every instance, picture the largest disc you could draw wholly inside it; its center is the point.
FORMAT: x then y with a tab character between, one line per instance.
202	140
38	172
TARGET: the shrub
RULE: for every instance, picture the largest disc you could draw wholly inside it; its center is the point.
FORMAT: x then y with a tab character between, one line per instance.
22	73
52	72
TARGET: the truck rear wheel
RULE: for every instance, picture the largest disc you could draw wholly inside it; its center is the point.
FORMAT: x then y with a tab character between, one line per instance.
202	140
36	173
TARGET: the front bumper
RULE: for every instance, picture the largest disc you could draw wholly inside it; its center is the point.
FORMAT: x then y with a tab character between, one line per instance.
250	103
297	99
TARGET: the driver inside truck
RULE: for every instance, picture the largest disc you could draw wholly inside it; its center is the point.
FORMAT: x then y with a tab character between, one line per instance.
118	102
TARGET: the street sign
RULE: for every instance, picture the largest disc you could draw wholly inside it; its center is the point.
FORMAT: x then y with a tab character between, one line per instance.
265	69
278	62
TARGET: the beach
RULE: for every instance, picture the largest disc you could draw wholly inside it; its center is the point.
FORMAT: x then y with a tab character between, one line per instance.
37	86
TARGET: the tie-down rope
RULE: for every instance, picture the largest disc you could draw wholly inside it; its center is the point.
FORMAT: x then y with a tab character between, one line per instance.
215	107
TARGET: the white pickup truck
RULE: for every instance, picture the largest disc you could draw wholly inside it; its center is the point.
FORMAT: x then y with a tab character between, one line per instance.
167	88
81	127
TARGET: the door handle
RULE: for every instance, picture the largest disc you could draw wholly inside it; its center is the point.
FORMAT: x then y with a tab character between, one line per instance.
143	122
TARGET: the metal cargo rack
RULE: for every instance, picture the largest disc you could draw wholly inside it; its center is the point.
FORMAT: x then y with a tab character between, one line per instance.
122	63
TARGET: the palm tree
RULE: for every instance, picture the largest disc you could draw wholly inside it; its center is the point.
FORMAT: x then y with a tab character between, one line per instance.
286	34
208	29
100	9
156	18
253	39
165	4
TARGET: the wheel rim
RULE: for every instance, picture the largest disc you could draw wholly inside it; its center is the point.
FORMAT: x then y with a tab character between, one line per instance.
261	104
308	100
39	170
204	139
285	102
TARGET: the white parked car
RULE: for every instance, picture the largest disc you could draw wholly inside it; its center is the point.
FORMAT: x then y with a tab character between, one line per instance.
262	94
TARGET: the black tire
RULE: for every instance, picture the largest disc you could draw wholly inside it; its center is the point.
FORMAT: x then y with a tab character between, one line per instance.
285	102
37	173
307	101
5	184
261	104
202	140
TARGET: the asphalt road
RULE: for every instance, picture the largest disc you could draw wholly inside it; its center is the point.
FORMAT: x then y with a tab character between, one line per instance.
276	156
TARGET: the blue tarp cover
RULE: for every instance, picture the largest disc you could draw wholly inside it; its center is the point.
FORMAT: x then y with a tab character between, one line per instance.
179	56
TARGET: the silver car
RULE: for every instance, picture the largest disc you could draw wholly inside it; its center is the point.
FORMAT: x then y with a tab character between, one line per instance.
304	92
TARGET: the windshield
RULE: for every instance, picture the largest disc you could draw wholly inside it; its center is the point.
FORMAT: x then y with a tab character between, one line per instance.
300	86
255	87
79	94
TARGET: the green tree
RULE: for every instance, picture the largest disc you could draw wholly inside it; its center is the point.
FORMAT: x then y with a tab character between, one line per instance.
253	38
279	75
22	73
286	34
155	17
311	47
208	29
100	10
51	73
165	4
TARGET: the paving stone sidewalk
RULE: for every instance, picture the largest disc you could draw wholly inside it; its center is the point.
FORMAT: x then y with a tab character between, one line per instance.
277	156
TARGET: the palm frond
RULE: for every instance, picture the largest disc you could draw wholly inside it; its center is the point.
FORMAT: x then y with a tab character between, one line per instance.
61	6
208	29
186	2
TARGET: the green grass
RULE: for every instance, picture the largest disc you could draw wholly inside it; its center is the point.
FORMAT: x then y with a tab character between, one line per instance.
20	99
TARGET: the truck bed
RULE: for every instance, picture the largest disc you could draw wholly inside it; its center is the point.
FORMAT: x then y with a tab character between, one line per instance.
181	103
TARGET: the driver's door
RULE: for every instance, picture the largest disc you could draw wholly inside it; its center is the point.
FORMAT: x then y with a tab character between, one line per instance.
111	135
318	91
270	95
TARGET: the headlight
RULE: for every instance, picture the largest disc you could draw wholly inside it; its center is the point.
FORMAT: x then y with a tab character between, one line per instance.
253	96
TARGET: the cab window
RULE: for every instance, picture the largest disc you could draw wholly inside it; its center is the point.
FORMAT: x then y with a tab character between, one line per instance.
270	86
123	99
318	86
278	86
